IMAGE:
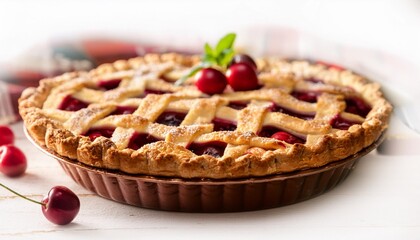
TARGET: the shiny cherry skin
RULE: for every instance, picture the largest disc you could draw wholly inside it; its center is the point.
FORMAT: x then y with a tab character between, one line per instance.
210	81
12	161
284	136
6	135
242	77
61	205
244	58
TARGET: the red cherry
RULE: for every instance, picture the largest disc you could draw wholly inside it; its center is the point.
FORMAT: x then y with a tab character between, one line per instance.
94	136
61	205
243	58
284	136
210	81
6	135
12	161
242	77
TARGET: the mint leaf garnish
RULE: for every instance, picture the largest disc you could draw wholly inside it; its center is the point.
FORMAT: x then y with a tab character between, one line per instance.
225	43
208	50
226	57
220	56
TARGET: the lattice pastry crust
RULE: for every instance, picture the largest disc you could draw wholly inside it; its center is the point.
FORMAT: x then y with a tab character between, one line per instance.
145	85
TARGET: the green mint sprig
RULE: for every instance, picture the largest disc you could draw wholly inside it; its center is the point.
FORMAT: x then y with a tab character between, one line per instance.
220	56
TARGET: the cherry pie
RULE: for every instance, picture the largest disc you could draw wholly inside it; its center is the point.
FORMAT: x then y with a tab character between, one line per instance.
130	116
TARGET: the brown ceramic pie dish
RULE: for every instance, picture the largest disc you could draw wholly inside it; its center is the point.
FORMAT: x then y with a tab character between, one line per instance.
210	195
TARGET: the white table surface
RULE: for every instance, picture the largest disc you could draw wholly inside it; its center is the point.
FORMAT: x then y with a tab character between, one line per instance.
380	199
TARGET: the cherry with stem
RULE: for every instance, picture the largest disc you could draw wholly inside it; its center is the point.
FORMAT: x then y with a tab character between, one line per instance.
60	206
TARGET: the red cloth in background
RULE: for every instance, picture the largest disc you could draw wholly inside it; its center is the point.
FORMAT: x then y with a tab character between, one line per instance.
63	57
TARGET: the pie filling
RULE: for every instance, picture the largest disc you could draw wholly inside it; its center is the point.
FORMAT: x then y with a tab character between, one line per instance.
340	123
120	110
357	106
214	148
153	91
223	125
94	133
238	105
306	96
314	80
109	84
171	118
138	140
279	134
70	103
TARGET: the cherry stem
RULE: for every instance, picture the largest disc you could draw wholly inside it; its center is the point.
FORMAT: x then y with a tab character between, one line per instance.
20	195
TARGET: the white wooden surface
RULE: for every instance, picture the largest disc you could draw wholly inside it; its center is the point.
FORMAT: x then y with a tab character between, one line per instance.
380	200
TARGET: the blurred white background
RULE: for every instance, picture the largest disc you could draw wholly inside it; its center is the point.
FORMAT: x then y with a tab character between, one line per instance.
393	26
378	38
